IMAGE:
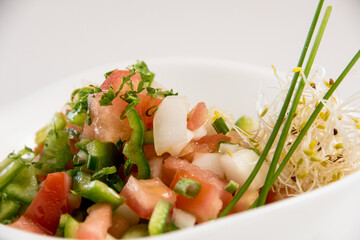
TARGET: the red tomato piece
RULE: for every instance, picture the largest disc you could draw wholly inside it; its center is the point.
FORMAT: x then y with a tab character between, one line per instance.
50	202
212	141
96	223
170	175
143	195
106	124
206	205
116	78
27	225
197	117
119	226
146	108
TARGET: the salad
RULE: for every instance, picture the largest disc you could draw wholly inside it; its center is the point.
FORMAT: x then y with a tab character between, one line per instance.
129	158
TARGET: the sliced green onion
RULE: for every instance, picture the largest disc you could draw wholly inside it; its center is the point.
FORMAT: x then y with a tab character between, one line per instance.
159	217
279	121
231	187
187	187
220	125
266	188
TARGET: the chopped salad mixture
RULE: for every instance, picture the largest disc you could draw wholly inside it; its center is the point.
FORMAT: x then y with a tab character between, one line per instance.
127	159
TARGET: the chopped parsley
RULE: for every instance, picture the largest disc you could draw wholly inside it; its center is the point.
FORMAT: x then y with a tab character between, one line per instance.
79	105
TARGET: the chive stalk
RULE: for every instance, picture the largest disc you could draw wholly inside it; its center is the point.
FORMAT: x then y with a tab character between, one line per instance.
278	123
267	185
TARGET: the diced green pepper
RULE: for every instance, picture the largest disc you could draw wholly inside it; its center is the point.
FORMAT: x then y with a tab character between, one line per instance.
58	122
56	153
8	209
159	217
96	190
133	147
101	155
24	186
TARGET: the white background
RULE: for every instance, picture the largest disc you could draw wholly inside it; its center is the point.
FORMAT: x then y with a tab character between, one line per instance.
43	41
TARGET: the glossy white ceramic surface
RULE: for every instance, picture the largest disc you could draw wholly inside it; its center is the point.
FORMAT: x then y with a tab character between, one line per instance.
230	85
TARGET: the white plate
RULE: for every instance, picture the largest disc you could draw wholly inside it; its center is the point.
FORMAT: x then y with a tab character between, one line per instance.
229	85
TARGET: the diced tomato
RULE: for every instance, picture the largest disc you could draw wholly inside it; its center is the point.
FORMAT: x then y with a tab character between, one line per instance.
197	117
106	123
143	195
27	225
205	144
50	202
96	223
119	226
146	109
206	205
175	168
116	78
212	141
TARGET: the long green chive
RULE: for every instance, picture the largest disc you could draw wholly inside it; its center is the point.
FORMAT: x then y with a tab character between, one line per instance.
314	116
187	187
159	217
267	185
279	121
220	126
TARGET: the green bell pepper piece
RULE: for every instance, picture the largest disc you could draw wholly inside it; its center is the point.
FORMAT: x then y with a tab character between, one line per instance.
133	148
8	209
96	190
24	186
101	155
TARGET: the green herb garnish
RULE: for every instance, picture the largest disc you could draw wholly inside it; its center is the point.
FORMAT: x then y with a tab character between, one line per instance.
279	121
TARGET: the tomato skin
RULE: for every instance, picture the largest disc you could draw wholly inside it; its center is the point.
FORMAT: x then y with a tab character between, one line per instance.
197	117
96	223
143	195
50	202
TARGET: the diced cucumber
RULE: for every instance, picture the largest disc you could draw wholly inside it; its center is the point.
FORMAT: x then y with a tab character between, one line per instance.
159	217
